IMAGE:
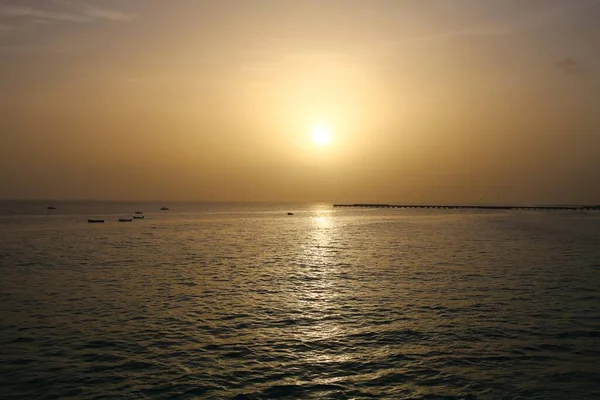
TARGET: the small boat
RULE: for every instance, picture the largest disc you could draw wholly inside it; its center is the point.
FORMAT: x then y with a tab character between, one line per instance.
164	208
125	219
139	212
138	217
290	213
95	221
51	208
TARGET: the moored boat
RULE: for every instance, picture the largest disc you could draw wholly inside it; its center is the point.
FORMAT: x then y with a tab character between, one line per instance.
138	217
95	221
164	208
125	219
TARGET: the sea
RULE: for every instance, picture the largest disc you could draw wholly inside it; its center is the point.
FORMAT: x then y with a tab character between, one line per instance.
243	301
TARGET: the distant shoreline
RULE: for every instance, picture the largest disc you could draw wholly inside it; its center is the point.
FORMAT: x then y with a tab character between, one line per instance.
472	207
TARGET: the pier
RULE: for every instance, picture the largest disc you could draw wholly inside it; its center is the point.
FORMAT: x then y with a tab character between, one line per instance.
471	207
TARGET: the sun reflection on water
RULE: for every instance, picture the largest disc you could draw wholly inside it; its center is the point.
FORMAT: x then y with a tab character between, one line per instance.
319	288
322	221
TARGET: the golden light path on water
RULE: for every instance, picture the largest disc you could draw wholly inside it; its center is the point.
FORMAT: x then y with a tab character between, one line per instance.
321	290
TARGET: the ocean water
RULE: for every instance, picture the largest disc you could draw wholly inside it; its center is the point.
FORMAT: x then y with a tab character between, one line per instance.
242	301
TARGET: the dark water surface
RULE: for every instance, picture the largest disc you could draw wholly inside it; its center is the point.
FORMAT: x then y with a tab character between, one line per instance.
244	301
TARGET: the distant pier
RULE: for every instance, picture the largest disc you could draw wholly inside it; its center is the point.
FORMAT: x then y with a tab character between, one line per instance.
470	207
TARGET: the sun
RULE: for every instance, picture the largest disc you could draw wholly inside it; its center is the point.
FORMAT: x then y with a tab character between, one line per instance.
321	135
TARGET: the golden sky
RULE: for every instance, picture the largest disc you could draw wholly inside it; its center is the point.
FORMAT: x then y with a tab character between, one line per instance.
462	101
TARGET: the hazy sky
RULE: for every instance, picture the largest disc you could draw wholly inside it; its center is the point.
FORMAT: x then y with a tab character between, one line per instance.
493	101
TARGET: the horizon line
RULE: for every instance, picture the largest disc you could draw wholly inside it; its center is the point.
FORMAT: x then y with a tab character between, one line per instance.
49	201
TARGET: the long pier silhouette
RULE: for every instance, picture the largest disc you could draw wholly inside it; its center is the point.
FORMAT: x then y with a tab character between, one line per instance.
472	206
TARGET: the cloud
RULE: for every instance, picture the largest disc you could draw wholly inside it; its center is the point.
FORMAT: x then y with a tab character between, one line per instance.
104	13
94	11
66	11
24	11
568	66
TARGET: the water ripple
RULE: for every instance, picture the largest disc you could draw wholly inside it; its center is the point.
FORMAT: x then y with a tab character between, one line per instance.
344	304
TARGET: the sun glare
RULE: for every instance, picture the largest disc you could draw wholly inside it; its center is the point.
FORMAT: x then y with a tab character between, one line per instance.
321	135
